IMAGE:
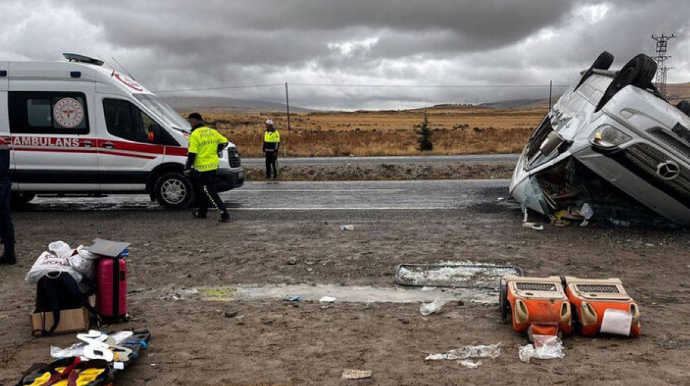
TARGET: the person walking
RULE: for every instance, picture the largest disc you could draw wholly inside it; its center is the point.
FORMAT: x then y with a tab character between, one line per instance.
202	163
6	227
270	148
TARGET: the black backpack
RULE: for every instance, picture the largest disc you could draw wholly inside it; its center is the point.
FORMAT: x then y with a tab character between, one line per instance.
59	291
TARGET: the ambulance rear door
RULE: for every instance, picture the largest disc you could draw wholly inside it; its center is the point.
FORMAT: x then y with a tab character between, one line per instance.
53	128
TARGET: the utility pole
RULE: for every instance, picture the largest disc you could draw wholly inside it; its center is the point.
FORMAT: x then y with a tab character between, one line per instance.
287	105
550	88
661	58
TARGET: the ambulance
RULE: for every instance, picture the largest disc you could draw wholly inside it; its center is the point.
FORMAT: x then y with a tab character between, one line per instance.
77	127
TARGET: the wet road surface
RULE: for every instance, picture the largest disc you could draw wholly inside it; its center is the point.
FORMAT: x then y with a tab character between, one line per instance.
356	196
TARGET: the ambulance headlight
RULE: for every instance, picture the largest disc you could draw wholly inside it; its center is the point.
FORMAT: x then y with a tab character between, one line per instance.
608	137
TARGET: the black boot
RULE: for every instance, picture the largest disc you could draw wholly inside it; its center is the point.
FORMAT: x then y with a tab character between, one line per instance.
8	257
199	214
224	217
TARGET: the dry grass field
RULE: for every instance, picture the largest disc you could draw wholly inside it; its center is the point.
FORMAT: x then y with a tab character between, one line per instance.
456	130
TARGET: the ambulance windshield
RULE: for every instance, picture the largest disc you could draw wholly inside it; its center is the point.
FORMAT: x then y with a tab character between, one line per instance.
164	111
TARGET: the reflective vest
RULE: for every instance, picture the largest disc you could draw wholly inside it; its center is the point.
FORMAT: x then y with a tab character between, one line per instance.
272	137
204	143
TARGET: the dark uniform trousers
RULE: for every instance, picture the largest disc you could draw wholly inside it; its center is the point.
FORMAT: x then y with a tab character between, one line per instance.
272	163
6	227
205	186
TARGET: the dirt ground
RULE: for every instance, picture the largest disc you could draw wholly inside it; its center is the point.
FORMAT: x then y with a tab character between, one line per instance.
276	343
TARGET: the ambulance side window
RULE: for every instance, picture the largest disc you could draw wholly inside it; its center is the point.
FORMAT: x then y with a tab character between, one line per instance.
46	112
127	121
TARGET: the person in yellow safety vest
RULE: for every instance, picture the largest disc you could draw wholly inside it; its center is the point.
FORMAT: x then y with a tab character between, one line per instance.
204	145
271	146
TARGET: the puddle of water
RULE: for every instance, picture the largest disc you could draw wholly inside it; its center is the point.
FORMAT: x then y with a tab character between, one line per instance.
358	294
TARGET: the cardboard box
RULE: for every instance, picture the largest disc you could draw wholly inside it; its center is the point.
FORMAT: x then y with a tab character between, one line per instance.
76	320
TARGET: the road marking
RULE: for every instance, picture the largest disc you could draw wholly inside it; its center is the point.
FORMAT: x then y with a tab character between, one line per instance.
319	190
341	208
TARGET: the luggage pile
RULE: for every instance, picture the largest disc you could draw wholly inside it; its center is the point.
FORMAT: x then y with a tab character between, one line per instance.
555	306
76	286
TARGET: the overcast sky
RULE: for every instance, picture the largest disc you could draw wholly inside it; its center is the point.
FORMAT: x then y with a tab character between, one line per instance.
181	44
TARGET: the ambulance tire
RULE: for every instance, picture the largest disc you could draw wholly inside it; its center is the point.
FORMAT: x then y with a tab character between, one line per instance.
173	191
602	62
638	72
21	199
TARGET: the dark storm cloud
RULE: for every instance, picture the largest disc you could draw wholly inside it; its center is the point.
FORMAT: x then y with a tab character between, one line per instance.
171	44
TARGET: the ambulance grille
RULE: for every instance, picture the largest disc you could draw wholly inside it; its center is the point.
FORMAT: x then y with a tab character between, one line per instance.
608	289
234	157
535	287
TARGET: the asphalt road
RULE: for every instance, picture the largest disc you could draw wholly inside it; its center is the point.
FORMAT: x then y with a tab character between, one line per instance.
387	160
365	197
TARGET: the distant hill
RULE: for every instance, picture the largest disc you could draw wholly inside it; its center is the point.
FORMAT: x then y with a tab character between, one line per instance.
227	105
678	91
520	103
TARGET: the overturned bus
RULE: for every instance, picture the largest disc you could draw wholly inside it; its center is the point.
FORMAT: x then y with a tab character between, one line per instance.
612	148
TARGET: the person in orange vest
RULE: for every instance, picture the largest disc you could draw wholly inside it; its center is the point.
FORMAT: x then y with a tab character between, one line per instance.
270	148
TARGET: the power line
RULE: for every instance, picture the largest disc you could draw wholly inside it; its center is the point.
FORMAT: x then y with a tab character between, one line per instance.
367	86
221	88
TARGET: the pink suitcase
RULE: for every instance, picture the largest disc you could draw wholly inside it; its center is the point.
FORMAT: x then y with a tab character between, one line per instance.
111	287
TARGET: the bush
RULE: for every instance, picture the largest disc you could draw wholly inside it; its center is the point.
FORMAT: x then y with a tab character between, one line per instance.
424	135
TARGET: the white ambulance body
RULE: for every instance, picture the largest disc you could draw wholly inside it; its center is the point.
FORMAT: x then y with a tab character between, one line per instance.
77	127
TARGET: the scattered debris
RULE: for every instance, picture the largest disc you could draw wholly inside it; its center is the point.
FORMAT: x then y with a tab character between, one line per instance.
356	374
327	299
470	364
545	347
492	351
292	261
295	298
434	307
453	274
230	314
347	227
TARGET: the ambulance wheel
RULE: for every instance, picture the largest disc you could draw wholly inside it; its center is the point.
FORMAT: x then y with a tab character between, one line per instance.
173	191
603	62
503	303
21	198
638	72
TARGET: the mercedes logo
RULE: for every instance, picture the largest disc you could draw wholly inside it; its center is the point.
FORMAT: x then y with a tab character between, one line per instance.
668	170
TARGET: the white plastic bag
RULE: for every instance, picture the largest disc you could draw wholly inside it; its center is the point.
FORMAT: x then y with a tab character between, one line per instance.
47	263
83	261
545	347
434	307
60	249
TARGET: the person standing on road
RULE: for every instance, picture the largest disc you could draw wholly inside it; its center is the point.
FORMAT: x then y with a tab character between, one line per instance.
204	145
6	227
270	148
